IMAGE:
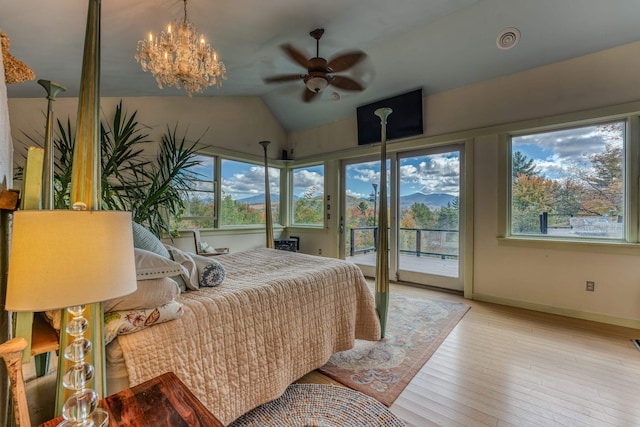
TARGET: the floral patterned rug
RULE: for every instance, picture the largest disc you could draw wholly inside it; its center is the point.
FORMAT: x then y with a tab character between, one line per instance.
382	369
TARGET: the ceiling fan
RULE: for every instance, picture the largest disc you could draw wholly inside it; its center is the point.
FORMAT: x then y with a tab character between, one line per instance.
320	72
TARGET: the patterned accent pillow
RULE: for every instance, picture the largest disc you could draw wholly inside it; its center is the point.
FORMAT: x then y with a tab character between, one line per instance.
129	321
212	274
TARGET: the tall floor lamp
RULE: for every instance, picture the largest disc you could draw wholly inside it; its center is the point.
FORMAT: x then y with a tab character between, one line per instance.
86	188
382	254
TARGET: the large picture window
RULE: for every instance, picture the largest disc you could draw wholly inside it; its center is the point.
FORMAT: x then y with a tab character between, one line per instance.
569	183
243	193
308	195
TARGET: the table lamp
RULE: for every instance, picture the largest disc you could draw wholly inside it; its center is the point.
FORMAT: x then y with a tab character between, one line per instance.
68	258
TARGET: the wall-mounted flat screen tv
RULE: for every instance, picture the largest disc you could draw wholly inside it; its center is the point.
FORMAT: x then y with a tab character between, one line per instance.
406	119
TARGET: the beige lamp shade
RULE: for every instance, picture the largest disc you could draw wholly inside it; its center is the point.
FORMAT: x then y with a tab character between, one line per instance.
64	258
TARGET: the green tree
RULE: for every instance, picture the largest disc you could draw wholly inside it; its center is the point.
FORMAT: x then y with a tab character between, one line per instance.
521	165
308	208
423	216
448	216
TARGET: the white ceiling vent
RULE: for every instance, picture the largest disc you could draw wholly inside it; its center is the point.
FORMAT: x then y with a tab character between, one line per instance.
508	38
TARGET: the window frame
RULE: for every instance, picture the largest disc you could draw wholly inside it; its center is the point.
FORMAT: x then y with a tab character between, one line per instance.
631	167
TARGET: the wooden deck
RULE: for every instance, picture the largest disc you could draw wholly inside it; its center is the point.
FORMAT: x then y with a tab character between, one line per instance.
423	264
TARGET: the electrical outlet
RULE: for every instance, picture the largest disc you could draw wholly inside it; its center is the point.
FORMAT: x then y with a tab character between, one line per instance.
591	286
319	251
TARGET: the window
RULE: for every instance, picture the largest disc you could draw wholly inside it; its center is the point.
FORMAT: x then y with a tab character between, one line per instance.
243	193
569	183
308	195
199	202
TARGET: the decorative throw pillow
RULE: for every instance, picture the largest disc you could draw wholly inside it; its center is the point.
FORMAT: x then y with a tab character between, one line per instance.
210	272
144	239
150	293
129	321
150	265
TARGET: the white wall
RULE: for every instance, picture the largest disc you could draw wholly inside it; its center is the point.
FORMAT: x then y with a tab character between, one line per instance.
544	279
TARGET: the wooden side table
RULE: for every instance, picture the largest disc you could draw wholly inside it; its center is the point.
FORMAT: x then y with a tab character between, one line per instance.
161	401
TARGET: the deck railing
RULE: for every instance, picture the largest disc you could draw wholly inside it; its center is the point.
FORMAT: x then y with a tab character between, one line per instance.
438	242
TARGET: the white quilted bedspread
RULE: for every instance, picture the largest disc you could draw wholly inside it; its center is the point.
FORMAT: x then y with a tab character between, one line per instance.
277	316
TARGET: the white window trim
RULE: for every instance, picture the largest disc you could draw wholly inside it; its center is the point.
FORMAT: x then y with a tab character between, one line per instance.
631	242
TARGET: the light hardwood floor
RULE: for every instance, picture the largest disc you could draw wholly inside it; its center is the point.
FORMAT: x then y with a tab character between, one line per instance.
504	366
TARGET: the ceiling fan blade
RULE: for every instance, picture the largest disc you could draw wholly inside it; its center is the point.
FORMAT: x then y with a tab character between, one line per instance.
346	61
345	83
283	78
308	96
297	56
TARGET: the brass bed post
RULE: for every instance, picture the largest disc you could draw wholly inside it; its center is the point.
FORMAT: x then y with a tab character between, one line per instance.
267	197
382	254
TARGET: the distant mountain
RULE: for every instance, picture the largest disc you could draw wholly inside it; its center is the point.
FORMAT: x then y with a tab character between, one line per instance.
432	201
258	199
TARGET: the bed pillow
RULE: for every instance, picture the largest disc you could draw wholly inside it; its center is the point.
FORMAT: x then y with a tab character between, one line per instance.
129	321
150	265
144	239
150	293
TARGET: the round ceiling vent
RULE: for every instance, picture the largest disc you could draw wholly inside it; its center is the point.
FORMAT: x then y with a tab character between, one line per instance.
508	38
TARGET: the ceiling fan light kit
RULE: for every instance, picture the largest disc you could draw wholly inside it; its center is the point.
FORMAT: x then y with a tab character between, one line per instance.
320	72
316	83
180	58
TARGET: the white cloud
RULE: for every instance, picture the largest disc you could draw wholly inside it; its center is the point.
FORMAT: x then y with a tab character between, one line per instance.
558	152
440	174
304	180
250	182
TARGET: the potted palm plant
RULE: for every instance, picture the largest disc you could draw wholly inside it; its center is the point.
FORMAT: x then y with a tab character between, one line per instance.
151	187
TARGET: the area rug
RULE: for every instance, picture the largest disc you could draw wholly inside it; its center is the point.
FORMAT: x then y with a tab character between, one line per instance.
382	369
320	405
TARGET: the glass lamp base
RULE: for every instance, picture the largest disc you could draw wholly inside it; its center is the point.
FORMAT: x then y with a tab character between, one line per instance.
99	418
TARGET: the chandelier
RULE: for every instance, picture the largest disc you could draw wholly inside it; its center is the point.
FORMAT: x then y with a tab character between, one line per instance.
179	58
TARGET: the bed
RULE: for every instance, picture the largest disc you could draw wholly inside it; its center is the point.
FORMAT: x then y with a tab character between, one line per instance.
277	316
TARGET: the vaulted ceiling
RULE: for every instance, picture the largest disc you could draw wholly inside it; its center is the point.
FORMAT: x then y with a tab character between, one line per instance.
436	45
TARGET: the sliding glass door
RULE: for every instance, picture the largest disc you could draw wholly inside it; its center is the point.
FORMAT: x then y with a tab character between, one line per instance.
429	232
425	212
